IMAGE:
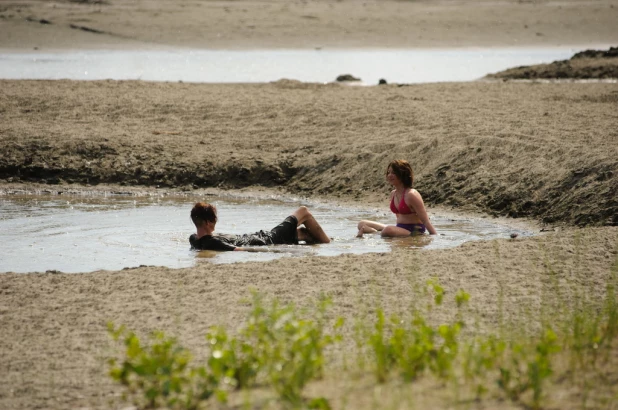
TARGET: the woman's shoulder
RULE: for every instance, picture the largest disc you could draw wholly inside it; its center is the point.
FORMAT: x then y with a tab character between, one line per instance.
413	193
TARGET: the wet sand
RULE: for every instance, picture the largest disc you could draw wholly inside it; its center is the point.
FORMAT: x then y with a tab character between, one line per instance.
54	325
528	150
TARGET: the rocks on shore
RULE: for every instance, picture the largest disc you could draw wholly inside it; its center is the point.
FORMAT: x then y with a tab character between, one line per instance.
347	78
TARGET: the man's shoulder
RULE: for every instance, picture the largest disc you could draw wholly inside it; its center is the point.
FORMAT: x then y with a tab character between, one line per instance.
199	243
209	242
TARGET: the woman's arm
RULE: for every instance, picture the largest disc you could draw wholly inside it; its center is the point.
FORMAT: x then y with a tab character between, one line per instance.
415	201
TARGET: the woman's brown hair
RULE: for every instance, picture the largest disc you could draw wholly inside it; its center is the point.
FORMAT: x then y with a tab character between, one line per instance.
402	169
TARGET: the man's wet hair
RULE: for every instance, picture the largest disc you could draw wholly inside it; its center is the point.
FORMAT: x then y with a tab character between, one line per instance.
202	213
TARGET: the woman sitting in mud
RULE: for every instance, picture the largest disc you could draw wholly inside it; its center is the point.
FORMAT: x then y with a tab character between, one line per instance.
406	203
288	232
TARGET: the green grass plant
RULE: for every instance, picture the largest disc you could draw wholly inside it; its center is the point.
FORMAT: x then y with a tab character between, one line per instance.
279	344
527	366
285	348
290	344
158	374
479	357
413	346
233	362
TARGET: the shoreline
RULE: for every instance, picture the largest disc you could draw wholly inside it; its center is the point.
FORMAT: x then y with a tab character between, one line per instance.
147	201
318	66
240	48
253	192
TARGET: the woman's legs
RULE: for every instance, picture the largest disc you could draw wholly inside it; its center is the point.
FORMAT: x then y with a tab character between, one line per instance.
369	227
392	231
387	231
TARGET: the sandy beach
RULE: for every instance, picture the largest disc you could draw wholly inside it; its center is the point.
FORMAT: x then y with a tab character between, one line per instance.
542	154
139	24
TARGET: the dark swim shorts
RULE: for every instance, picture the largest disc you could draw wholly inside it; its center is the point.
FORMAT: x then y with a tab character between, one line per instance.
285	232
413	228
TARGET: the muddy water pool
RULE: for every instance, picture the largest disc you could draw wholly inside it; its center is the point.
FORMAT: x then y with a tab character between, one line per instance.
84	233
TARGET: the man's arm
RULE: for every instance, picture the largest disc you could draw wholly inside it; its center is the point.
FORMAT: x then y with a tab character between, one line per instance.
256	249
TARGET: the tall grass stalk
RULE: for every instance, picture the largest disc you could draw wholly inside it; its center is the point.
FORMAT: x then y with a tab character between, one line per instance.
413	346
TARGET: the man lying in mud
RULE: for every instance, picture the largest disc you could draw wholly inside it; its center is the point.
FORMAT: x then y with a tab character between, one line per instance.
288	232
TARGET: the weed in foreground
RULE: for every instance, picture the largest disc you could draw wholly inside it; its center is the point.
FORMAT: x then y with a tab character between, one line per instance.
280	345
479	357
518	373
158	375
414	346
283	347
290	346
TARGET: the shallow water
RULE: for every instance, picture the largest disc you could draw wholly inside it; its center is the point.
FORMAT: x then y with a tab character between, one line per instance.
223	66
83	233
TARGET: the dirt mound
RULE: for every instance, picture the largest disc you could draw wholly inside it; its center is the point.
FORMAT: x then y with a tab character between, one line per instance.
611	53
546	151
588	64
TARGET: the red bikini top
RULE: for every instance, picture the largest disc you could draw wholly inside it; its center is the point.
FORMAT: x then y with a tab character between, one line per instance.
402	208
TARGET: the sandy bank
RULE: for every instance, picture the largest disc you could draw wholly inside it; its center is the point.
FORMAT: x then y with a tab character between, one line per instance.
588	64
545	151
248	24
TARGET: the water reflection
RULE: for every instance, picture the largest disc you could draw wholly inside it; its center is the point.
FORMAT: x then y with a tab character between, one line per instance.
82	234
412	242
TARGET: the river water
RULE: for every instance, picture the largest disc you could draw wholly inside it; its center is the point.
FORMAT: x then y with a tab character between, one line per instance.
226	66
84	233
